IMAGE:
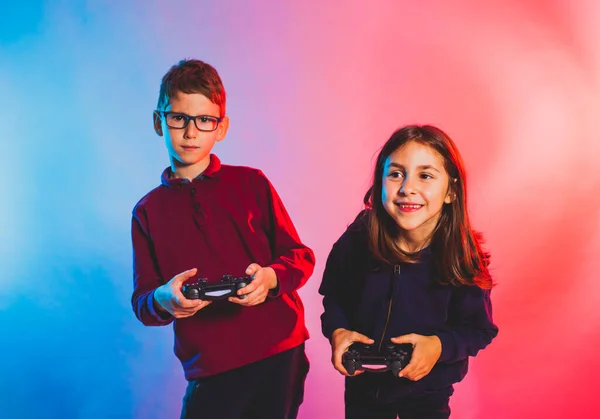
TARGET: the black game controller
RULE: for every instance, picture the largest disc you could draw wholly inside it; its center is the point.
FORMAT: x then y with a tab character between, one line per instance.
227	287
361	357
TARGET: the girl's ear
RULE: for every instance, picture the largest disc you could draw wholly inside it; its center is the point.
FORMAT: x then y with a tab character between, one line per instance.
451	195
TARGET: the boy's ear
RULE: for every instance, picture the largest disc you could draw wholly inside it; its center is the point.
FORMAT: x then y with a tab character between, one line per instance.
223	128
157	124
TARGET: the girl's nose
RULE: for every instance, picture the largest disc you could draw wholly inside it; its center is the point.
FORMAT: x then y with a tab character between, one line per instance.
408	186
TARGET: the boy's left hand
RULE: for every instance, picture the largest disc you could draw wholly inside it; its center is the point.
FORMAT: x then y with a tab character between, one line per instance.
426	352
264	280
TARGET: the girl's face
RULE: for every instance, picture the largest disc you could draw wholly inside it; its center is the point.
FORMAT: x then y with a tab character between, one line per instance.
414	190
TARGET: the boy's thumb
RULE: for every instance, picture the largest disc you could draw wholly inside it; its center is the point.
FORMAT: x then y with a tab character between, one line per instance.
252	268
185	275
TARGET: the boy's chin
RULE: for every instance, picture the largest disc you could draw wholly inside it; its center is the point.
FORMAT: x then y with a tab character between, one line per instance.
187	161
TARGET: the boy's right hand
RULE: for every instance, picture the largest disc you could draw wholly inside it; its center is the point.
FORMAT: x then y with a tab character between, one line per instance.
169	298
341	339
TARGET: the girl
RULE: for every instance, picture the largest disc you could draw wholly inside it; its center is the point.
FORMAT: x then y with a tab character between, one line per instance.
410	269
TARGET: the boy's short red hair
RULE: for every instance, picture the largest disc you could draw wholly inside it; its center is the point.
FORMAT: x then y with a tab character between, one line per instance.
192	76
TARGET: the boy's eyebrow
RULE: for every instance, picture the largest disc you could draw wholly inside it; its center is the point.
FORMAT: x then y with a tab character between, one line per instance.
422	167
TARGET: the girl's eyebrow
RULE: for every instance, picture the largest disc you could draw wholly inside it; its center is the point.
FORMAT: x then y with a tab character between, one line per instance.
422	167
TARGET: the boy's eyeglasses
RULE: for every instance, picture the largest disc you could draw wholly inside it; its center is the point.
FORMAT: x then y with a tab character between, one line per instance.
178	120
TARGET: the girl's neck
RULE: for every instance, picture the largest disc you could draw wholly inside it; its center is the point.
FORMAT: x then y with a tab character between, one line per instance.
412	245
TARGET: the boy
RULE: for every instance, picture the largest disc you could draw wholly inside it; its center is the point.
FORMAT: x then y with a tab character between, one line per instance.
243	358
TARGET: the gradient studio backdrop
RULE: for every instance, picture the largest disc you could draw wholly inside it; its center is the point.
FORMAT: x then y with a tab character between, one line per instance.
314	89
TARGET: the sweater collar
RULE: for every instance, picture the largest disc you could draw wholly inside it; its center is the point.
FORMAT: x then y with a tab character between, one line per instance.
211	172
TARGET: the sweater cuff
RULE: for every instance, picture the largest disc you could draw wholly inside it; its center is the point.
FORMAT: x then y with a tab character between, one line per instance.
280	273
162	318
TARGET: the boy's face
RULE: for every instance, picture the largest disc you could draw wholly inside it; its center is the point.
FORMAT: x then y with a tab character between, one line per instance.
189	147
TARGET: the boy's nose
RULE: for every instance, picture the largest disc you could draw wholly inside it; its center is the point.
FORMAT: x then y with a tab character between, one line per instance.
191	131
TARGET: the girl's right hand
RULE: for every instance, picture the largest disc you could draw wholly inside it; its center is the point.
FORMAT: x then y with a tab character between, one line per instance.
341	339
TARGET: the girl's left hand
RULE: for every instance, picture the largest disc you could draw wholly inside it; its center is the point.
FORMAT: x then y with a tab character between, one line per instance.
426	352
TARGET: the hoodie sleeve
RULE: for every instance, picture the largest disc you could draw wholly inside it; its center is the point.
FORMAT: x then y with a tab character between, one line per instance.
470	326
334	293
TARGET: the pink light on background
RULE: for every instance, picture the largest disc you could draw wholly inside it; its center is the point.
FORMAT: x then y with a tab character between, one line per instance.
517	88
315	88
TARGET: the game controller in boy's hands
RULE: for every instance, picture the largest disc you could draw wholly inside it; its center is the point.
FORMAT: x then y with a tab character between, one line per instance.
203	290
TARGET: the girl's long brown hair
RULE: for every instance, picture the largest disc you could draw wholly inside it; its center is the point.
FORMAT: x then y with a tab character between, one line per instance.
460	259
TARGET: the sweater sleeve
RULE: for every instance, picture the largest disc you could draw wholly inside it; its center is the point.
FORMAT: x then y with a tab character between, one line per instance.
293	262
146	277
470	327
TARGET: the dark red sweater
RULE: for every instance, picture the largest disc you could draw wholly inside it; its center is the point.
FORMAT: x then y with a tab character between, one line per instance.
221	222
